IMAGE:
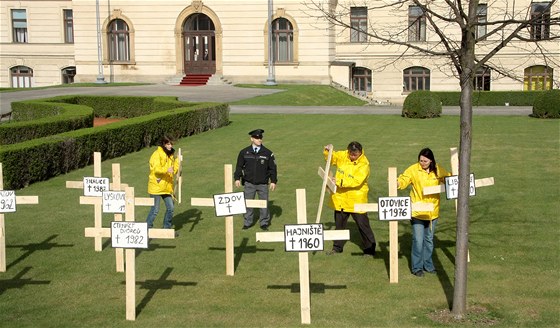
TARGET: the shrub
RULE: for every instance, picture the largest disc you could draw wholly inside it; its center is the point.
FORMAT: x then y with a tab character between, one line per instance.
547	104
421	104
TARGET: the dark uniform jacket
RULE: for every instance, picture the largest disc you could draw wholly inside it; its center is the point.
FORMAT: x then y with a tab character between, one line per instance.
256	168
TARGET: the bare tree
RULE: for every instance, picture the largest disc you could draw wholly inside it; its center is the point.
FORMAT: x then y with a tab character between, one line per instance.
463	35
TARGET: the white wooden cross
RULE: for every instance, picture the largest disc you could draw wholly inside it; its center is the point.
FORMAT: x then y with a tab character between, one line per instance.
4	208
99	232
252	203
278	236
393	225
130	253
455	171
327	182
178	179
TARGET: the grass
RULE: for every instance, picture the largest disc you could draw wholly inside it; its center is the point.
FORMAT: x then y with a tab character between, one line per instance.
301	95
56	279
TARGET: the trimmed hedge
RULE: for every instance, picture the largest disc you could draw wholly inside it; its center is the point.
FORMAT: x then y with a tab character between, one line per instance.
547	104
40	159
421	104
490	98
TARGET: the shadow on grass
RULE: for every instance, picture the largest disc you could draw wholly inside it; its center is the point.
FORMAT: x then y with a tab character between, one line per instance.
243	248
193	216
315	288
19	282
29	249
153	286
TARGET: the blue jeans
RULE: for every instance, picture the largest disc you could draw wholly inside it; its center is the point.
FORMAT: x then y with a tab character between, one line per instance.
423	244
168	200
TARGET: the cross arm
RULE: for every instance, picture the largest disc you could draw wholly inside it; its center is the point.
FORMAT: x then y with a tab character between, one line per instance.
441	188
278	236
251	203
330	184
152	233
27	200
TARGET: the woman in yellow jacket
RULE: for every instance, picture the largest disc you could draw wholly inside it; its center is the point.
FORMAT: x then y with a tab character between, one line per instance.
425	173
351	179
163	168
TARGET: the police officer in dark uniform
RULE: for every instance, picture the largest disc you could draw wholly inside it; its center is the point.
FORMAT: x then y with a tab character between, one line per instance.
255	167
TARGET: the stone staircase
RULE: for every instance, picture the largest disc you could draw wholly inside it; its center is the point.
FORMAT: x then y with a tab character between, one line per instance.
191	80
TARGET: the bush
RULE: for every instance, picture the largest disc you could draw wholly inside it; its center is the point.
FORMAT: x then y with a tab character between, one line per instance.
547	104
490	98
421	104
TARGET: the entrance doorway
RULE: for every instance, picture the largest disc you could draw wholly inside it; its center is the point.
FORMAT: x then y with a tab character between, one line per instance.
199	45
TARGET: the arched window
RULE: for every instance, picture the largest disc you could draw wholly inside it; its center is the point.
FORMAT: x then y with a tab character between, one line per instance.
538	77
416	78
22	77
361	79
68	74
119	41
282	41
481	80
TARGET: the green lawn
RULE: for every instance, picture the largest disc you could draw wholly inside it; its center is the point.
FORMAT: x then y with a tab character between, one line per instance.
56	279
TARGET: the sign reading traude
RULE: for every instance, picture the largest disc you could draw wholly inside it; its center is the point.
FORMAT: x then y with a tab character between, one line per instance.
452	186
303	237
129	234
230	204
95	186
394	208
7	201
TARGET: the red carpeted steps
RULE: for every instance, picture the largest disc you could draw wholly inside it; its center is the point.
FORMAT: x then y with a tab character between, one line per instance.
191	80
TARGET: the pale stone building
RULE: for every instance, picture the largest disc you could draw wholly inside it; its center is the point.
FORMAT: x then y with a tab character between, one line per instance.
49	42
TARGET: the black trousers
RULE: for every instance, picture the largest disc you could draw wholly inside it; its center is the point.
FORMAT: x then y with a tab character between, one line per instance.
366	234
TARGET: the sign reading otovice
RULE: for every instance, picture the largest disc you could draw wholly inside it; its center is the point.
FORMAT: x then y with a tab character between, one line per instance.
394	208
303	237
452	186
230	204
129	234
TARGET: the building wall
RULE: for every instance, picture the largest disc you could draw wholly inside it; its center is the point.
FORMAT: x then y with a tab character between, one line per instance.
323	53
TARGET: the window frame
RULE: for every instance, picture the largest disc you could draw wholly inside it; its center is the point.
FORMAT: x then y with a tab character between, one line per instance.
540	15
361	75
277	34
68	25
538	75
118	41
358	24
481	17
482	78
411	78
19	32
416	24
26	78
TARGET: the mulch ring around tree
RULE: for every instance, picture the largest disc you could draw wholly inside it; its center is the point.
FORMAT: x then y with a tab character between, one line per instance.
476	315
99	121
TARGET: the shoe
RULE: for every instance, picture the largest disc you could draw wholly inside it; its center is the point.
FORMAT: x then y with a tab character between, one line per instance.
176	234
419	273
333	252
264	227
246	227
370	251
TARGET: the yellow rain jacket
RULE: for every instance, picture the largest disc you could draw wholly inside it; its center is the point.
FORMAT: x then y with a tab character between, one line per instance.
419	179
351	181
160	182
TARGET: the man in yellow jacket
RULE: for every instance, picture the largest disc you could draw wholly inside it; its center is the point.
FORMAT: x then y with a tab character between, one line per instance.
163	167
351	179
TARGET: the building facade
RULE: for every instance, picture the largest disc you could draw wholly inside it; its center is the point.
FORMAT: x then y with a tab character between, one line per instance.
46	42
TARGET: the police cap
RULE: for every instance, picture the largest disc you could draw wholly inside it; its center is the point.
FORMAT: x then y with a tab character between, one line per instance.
256	133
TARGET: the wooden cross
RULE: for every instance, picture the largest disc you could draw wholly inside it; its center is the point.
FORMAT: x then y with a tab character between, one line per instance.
130	253
305	302
455	171
327	182
393	225
178	178
20	200
252	203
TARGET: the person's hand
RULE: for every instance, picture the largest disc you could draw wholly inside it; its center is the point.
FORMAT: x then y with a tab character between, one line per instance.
238	183
329	147
272	186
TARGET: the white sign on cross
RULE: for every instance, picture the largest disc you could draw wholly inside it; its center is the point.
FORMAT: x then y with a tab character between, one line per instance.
252	203
305	302
8	204
130	253
393	224
455	171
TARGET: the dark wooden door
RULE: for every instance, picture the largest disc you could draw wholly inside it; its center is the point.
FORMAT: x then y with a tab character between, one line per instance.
199	52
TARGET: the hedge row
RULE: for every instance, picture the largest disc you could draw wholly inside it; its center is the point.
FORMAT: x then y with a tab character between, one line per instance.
40	159
490	98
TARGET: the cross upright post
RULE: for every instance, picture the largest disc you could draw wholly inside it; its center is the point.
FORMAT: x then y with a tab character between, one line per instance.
8	205
252	203
305	303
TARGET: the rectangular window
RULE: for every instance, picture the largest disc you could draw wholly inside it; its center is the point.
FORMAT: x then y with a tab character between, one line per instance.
416	24
481	18
19	26
358	23
540	17
68	26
